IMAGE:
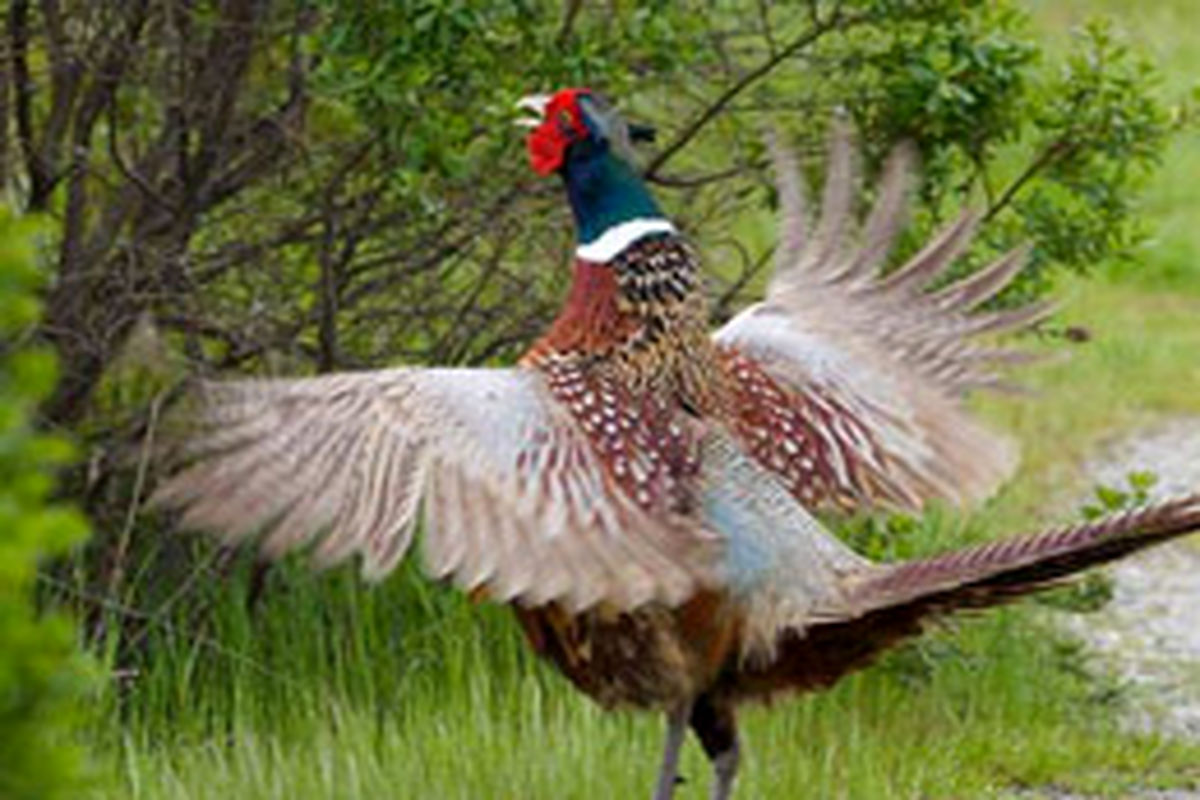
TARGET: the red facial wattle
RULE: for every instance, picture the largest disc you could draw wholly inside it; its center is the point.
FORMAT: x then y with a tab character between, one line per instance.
561	126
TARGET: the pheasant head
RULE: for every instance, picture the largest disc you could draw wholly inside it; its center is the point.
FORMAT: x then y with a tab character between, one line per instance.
577	135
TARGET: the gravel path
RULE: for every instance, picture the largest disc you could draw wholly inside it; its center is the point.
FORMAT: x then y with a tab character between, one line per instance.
1149	634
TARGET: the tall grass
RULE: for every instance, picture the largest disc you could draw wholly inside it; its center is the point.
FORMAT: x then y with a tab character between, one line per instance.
326	688
450	705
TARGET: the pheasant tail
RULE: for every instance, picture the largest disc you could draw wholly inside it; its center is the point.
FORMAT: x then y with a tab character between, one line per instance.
895	602
992	573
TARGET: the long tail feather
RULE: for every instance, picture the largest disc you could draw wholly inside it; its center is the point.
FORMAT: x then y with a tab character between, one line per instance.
995	572
897	602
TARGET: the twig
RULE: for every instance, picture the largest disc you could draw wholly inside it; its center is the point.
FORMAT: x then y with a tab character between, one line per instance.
123	539
764	19
819	29
23	90
132	174
570	14
191	635
1052	153
679	182
751	268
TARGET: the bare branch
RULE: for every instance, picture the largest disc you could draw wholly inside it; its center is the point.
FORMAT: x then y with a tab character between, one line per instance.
820	28
571	9
731	295
23	91
695	182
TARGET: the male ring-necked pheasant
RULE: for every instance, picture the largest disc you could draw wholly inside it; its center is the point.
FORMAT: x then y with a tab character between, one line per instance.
639	487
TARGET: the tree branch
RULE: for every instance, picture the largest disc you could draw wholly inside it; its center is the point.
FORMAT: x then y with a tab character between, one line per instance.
571	9
820	27
1052	153
696	181
23	89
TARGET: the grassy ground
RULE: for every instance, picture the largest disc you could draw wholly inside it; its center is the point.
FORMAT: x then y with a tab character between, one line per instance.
333	691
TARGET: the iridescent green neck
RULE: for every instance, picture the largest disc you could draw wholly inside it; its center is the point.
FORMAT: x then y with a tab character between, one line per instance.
605	191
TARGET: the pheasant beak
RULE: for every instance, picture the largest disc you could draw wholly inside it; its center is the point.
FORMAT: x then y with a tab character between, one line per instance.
536	104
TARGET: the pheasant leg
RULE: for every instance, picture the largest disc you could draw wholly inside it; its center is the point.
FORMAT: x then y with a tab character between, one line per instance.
677	722
715	726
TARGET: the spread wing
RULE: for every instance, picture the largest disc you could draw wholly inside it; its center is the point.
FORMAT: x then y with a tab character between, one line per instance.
513	497
890	357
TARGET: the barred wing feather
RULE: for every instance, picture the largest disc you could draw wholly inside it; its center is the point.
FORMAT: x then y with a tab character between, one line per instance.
513	498
896	355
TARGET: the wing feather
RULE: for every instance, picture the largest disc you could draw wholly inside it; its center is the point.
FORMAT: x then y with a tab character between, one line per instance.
932	260
793	210
889	351
837	203
887	215
513	497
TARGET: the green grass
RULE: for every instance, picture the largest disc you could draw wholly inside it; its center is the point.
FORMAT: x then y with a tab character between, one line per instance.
336	693
1140	365
332	690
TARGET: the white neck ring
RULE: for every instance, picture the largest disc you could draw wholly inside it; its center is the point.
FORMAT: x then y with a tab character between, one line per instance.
613	241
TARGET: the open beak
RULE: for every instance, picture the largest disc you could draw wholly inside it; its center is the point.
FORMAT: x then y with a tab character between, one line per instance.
536	105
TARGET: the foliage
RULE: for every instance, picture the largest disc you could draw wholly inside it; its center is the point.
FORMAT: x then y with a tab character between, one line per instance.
1094	590
41	677
1052	154
1100	128
1111	499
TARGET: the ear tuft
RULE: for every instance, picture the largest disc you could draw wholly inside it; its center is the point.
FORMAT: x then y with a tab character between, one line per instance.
647	134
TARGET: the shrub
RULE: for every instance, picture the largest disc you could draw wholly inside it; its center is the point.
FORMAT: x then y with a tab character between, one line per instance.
41	673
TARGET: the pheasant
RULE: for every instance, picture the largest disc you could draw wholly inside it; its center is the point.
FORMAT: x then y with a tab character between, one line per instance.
640	489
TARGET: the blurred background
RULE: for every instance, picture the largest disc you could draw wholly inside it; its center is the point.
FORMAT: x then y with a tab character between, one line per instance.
257	187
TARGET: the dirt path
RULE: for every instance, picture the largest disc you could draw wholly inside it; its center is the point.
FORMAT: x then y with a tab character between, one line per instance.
1149	634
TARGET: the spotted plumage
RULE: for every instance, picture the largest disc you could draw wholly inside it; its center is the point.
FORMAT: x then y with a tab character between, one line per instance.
656	274
649	446
640	488
818	448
